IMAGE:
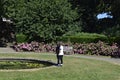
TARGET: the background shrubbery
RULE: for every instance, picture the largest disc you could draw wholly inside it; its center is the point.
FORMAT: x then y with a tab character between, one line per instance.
82	43
21	38
75	38
99	48
82	39
50	19
88	38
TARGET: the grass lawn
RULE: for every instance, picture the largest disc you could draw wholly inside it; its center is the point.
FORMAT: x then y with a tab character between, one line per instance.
73	69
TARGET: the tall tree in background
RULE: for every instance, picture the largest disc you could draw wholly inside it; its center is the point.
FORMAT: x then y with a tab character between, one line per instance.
1	10
87	11
115	11
104	7
45	19
109	26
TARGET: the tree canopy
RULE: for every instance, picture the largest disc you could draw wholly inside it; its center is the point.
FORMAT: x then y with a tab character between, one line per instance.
43	18
49	19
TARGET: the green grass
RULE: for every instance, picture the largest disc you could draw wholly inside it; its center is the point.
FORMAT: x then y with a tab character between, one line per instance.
73	69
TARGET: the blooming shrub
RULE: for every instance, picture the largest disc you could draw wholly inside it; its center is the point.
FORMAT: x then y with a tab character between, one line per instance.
99	48
34	46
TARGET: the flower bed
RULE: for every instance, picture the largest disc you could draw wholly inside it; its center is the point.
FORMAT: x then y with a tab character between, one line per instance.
35	47
99	48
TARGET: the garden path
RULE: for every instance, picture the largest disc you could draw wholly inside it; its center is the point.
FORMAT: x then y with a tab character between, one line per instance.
6	50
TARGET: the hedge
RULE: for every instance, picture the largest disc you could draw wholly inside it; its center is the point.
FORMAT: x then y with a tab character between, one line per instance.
76	39
21	38
82	39
89	39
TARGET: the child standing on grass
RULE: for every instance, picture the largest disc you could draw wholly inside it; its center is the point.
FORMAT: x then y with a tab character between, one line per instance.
60	53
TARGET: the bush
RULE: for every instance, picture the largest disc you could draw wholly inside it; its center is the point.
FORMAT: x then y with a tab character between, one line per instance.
89	38
113	40
99	48
34	46
21	38
117	40
82	39
86	34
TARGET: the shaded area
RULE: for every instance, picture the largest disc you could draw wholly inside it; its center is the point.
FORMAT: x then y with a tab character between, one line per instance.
7	33
15	63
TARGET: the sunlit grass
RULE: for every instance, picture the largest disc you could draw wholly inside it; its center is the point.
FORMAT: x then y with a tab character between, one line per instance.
73	69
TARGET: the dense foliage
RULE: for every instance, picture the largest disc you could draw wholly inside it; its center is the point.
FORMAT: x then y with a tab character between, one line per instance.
99	48
43	19
48	19
87	38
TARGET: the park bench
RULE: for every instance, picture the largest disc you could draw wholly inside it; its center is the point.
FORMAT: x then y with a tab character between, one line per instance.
68	50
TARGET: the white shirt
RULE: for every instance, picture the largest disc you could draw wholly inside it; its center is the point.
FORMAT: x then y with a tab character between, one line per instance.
61	50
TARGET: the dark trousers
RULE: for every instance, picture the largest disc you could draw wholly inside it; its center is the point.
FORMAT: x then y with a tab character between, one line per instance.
59	59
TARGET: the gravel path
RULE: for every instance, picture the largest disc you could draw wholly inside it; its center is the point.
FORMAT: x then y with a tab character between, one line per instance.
6	50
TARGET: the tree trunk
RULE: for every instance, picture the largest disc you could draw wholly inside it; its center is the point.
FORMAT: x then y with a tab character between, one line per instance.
0	21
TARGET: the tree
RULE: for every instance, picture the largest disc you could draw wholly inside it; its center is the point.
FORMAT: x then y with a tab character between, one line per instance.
87	11
1	10
43	19
115	11
110	26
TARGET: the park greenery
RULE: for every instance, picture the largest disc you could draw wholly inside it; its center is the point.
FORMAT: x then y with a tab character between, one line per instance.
73	69
100	48
40	23
46	20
